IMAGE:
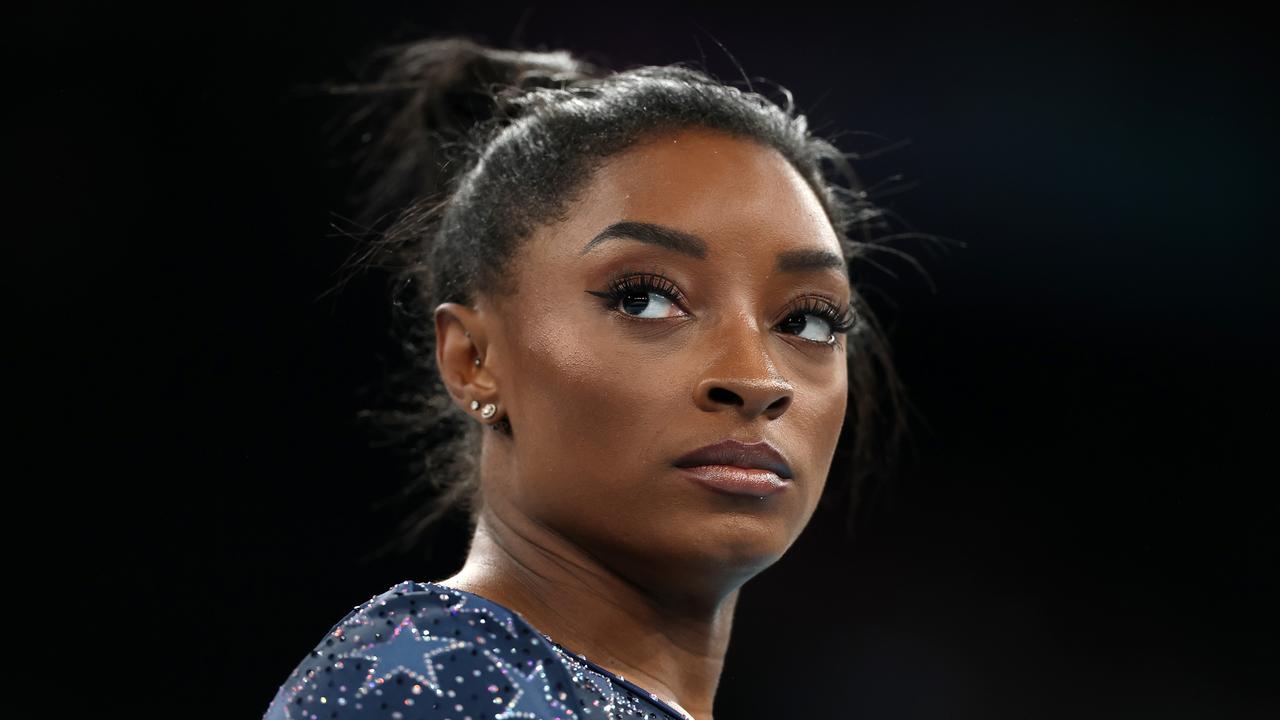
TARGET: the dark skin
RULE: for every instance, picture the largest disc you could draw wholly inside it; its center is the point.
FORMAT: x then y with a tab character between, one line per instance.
587	529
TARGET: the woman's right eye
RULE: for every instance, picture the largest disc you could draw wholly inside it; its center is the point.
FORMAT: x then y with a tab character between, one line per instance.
647	297
648	305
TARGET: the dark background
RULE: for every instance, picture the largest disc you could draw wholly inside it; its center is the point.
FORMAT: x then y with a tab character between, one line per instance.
1090	529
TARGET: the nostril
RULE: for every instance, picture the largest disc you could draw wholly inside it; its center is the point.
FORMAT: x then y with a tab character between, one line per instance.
725	396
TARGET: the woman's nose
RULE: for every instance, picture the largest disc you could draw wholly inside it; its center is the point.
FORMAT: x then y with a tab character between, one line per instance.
743	376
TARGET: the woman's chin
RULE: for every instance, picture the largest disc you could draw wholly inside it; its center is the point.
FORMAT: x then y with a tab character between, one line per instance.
733	544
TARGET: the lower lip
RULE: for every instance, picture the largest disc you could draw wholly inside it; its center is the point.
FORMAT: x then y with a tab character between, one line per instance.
736	480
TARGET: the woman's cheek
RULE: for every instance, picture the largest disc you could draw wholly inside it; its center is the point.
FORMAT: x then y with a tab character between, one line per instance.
569	380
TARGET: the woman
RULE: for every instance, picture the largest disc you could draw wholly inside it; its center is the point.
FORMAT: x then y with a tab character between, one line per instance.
640	289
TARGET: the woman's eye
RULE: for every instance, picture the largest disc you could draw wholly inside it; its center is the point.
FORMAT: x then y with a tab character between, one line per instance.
648	305
809	326
648	297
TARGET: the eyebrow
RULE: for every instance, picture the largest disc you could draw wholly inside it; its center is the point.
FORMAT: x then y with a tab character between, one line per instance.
789	261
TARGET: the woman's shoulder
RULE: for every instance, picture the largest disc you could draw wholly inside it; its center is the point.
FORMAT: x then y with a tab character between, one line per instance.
423	650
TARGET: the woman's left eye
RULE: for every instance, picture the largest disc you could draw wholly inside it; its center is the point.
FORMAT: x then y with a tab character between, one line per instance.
810	327
819	321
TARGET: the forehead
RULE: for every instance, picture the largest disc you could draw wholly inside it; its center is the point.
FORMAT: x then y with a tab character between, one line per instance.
742	197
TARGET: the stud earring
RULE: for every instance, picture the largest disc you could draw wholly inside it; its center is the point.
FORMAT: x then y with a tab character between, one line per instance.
489	410
477	362
475	404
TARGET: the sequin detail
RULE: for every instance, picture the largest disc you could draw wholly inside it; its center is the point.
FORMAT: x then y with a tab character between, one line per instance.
422	651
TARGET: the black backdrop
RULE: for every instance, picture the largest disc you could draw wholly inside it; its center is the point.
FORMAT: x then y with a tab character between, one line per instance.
1090	529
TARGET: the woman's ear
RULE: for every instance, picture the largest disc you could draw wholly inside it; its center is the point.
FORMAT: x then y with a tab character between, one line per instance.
461	343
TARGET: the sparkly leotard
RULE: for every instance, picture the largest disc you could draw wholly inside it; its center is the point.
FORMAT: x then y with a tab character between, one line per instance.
422	651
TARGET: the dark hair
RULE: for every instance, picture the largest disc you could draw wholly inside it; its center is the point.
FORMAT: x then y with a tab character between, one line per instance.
472	148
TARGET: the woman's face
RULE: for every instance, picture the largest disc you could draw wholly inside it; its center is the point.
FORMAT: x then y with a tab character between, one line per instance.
727	342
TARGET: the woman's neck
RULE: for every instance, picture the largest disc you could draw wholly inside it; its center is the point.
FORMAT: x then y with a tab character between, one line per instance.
669	640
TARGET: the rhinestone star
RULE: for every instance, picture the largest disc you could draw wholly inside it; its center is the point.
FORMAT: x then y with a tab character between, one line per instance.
407	651
529	701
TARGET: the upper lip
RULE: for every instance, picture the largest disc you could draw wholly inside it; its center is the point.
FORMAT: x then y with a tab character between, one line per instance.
760	455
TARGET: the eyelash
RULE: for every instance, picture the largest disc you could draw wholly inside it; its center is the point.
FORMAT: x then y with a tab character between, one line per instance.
839	322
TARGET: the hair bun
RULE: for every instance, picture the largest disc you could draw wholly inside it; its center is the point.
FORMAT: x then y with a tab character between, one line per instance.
426	95
463	82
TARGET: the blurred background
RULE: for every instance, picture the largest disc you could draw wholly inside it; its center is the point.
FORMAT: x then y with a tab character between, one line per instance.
1090	526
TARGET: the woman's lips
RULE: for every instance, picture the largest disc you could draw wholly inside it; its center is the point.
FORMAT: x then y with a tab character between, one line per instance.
736	480
735	453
